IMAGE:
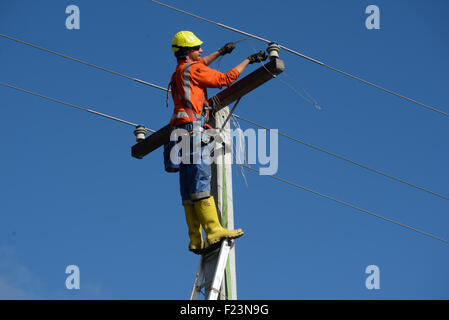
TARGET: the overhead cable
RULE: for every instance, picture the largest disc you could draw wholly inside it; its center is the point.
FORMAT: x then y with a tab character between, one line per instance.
83	62
305	57
72	105
272	176
280	133
352	206
346	159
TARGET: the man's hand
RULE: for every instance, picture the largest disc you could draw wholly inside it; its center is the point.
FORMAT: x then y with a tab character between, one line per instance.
257	57
227	48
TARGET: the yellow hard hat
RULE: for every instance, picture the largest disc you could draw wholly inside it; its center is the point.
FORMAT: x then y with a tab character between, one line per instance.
185	39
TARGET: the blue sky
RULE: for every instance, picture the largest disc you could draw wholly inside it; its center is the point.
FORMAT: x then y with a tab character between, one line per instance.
72	194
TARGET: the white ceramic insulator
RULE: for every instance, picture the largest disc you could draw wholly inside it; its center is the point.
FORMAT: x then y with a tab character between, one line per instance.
140	137
273	50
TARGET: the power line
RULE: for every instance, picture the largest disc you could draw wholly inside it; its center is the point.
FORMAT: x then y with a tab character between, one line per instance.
347	160
272	176
72	105
307	58
352	206
83	62
164	89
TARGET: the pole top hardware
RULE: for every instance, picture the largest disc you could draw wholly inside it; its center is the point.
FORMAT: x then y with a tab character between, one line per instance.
140	133
273	50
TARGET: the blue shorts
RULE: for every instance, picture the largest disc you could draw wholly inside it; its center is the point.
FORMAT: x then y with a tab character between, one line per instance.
194	178
194	182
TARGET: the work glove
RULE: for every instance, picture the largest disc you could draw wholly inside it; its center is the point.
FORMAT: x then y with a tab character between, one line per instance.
227	48
257	57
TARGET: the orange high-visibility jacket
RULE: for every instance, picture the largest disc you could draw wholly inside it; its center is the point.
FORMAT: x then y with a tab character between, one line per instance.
189	86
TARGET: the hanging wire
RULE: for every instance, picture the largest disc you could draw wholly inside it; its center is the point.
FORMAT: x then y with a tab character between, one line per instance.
307	58
242	147
309	99
346	159
73	106
220	58
243	39
352	206
218	62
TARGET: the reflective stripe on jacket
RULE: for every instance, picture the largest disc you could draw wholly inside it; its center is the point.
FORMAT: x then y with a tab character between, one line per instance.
189	86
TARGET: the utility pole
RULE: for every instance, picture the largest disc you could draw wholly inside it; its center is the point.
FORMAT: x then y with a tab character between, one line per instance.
221	170
221	190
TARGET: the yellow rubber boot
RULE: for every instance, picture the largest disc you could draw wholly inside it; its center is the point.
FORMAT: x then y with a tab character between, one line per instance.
196	244
207	214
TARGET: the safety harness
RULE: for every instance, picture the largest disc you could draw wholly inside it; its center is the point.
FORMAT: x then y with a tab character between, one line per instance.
186	104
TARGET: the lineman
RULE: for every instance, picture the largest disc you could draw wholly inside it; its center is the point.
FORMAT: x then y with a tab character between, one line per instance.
189	85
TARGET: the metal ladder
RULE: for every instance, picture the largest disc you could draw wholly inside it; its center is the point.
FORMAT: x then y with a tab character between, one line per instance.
211	272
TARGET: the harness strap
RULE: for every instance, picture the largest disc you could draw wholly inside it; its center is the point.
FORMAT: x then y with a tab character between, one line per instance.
186	102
